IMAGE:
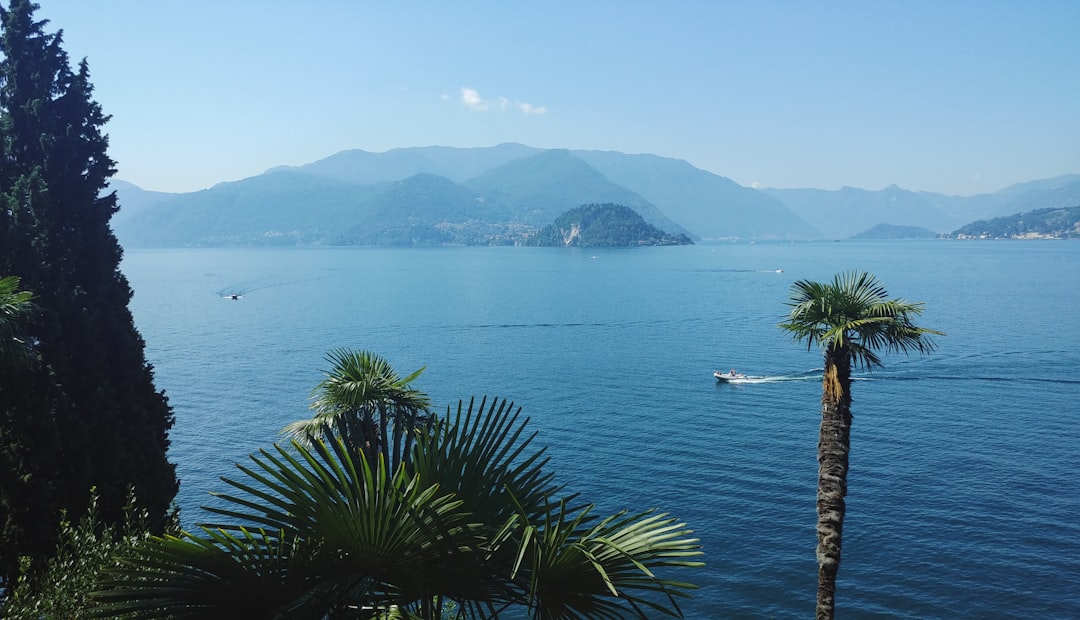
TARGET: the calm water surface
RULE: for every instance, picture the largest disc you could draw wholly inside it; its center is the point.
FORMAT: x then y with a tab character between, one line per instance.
964	495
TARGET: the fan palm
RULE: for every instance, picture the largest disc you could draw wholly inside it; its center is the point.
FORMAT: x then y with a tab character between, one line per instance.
322	530
851	319
363	401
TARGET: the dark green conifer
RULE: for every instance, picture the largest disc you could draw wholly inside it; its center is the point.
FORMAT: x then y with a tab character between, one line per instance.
84	411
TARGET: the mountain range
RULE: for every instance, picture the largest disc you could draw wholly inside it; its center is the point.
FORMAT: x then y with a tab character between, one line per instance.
505	193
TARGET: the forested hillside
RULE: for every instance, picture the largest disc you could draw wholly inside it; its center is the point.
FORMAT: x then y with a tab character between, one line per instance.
604	225
1040	224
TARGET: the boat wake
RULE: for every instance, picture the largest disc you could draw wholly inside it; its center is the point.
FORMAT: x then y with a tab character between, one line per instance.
237	291
809	375
770	379
721	270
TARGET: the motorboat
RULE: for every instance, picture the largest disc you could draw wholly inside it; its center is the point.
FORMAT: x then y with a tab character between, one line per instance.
728	376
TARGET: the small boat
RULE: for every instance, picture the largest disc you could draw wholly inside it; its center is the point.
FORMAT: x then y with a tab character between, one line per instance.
728	376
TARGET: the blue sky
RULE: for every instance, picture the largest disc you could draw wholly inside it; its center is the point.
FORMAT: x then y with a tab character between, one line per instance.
947	96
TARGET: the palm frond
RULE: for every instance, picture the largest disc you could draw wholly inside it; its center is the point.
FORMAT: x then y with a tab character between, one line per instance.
398	531
222	574
607	569
854	312
16	307
483	454
363	401
14	303
472	517
361	379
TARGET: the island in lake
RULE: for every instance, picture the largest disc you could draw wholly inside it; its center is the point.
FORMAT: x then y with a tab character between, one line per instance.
603	225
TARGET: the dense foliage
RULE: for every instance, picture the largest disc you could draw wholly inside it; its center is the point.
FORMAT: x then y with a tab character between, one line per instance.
603	225
461	519
1054	223
82	411
85	549
15	308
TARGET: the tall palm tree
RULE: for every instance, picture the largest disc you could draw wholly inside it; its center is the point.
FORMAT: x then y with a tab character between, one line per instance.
851	319
321	531
15	307
363	401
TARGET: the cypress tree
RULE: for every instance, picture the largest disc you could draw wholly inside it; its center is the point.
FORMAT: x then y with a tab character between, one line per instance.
83	411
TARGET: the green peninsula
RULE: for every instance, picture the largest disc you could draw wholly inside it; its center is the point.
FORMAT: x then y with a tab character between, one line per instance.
1051	223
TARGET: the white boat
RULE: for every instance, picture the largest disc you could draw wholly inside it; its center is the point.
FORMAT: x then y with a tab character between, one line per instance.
728	376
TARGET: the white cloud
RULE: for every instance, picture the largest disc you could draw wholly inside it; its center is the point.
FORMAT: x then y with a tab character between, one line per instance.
755	185
529	108
471	99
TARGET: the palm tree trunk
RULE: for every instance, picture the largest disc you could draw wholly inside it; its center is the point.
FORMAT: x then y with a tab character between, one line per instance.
384	437
367	440
416	422
834	443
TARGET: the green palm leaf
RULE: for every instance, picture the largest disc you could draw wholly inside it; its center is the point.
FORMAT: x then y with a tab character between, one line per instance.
363	401
380	524
466	520
15	308
249	574
375	540
605	570
483	455
854	313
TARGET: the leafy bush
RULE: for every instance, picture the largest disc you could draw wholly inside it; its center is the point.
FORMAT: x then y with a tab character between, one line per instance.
61	589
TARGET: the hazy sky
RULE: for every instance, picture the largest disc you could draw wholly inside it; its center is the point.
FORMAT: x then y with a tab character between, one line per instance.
946	95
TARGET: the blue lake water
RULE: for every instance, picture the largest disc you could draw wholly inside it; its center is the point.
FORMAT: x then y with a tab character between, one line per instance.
964	490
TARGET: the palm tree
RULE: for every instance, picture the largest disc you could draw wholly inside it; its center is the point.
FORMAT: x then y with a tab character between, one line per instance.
15	307
851	319
363	401
470	530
